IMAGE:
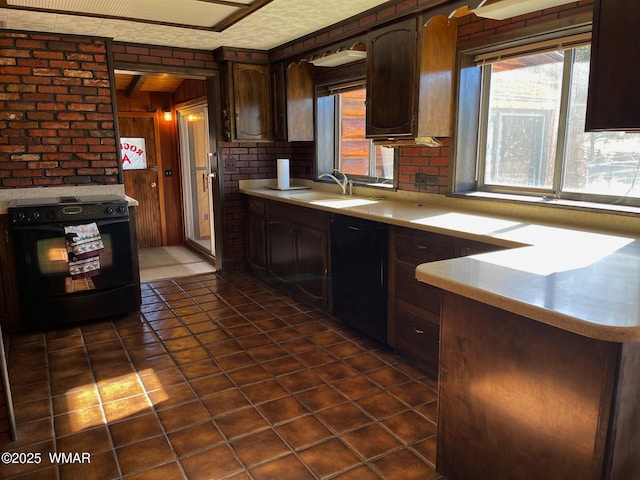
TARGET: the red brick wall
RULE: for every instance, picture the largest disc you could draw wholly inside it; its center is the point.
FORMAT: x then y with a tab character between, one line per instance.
432	161
56	114
246	161
163	56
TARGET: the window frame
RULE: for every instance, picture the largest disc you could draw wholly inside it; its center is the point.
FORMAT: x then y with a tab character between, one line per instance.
470	129
328	135
560	137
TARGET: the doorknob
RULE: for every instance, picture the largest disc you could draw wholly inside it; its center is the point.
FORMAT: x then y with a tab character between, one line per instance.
214	175
154	184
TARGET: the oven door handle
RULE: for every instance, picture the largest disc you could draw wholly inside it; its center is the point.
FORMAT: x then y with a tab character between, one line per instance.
59	226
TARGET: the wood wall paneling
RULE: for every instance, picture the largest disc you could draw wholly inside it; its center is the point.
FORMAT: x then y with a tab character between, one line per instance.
143	184
170	188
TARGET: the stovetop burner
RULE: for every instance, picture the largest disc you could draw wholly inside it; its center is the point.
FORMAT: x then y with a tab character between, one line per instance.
68	208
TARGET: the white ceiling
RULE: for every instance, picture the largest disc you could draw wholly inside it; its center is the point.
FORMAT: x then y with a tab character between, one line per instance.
274	24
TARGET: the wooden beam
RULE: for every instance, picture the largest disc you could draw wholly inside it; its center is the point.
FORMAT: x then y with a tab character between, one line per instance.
227	4
243	11
136	85
107	17
236	17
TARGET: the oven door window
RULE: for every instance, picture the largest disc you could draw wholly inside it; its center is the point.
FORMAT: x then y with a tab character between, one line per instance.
44	265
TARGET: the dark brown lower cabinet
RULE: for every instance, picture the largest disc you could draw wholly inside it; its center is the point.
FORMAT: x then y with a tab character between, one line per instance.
523	400
311	265
281	250
295	244
9	314
256	237
414	307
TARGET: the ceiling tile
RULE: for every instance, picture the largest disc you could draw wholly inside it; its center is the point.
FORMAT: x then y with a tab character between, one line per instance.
120	30
79	25
21	20
277	23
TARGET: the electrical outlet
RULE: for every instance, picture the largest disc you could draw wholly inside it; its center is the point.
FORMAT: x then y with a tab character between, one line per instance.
431	180
420	180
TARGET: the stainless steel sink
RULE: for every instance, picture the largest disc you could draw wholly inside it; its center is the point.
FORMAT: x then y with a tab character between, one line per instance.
308	196
330	200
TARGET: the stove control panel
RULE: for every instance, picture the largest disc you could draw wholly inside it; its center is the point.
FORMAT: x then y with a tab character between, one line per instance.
42	214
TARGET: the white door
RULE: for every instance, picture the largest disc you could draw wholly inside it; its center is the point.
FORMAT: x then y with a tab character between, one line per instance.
197	176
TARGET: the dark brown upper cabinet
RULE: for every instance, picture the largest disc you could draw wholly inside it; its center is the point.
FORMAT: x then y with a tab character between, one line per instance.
300	90
248	114
391	80
293	101
613	101
279	97
410	77
437	76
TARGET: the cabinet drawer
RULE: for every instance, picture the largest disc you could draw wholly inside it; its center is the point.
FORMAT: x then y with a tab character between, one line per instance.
256	205
299	215
421	247
407	288
417	338
464	248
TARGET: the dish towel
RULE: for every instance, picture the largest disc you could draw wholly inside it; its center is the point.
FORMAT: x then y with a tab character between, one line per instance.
84	245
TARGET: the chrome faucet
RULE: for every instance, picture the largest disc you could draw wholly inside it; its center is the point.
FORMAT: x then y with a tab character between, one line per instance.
343	184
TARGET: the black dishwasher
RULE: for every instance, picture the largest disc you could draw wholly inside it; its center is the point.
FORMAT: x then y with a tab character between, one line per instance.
359	264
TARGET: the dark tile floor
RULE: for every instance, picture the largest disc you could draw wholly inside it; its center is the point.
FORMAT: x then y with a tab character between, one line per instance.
219	378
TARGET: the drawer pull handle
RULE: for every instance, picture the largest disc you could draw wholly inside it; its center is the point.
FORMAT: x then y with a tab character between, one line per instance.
417	330
421	247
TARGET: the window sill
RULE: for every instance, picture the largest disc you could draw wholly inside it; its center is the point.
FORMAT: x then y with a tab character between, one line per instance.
540	201
386	186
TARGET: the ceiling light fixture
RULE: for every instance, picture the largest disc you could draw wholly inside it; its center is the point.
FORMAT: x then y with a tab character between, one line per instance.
503	9
341	57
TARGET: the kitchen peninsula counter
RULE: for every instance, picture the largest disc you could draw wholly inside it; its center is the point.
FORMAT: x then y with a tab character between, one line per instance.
585	282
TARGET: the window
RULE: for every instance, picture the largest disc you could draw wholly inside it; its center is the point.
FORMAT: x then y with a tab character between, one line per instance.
532	138
342	144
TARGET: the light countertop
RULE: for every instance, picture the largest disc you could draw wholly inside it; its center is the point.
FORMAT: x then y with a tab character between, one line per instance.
587	282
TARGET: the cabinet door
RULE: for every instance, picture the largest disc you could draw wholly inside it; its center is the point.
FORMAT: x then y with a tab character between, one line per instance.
613	102
417	338
311	265
252	101
8	293
437	67
278	83
391	80
281	250
300	92
257	244
464	248
410	291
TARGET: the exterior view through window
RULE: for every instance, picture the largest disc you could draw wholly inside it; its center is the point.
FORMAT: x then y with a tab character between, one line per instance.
534	142
356	155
